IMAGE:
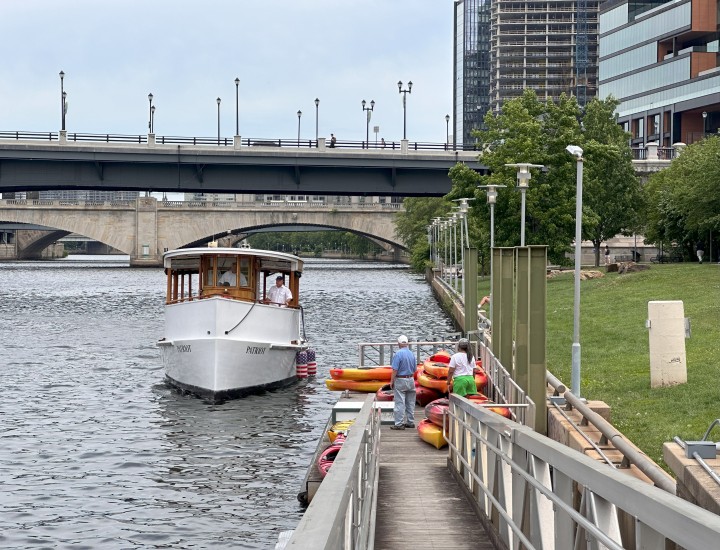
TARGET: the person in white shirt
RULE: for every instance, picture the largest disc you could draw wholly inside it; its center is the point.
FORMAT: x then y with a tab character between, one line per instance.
279	294
229	278
461	379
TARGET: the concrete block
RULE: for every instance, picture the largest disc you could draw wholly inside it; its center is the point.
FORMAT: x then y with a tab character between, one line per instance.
666	327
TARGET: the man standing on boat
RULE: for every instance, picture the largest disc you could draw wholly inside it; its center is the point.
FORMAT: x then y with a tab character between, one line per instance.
279	294
402	381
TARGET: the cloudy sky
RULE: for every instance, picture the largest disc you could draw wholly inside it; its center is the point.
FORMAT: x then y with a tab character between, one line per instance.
189	52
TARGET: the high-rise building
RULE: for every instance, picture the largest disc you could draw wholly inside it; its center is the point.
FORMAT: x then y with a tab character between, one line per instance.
503	47
660	59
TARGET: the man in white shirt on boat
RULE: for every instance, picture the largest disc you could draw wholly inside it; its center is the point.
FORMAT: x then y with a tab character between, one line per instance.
279	294
229	278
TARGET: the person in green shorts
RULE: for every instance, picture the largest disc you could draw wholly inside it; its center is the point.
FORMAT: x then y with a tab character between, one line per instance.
461	378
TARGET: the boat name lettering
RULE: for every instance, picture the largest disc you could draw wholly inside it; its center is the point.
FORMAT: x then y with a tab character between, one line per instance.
184	348
254	350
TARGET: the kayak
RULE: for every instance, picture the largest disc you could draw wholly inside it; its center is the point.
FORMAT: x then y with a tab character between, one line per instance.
430	381
368	386
435	410
480	398
339	428
436	368
481	379
362	373
327	457
430	433
442	356
423	395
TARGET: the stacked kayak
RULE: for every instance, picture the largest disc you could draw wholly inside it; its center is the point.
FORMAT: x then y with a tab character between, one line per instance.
431	433
367	386
327	457
362	379
434	375
339	428
423	395
442	356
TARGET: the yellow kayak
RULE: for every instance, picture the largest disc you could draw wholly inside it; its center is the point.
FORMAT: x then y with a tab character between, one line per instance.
430	433
369	373
369	386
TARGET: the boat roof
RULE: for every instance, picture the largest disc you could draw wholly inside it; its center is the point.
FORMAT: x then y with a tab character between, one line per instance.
270	260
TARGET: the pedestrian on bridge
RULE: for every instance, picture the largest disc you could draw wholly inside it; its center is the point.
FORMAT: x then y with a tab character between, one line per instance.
402	381
332	140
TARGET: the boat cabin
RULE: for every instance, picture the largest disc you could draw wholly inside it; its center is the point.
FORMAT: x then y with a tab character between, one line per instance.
236	273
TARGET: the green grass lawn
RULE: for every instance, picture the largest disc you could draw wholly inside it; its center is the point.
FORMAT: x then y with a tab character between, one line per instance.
615	362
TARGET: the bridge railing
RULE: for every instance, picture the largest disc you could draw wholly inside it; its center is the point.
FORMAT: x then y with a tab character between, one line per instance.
75	137
533	492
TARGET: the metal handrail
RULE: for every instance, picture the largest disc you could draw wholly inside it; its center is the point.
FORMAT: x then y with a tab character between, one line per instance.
340	516
524	486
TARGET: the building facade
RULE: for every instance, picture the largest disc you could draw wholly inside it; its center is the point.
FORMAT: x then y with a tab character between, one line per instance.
503	47
660	60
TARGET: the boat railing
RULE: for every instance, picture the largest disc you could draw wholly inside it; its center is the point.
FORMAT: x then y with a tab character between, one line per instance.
342	514
534	492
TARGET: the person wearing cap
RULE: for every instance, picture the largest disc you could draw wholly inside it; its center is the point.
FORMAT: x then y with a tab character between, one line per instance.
279	294
402	381
461	377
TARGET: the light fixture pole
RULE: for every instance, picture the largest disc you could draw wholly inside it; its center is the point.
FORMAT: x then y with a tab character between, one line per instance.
404	93
523	182
152	119
492	194
150	98
62	101
299	114
704	126
577	152
237	106
447	132
218	104
367	122
317	112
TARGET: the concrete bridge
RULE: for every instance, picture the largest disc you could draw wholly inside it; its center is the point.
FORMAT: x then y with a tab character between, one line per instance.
145	228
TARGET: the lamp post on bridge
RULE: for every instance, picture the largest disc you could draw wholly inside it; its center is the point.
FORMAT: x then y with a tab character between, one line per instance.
317	116
367	122
447	132
299	114
150	98
523	182
218	100
577	152
404	93
63	95
237	106
152	119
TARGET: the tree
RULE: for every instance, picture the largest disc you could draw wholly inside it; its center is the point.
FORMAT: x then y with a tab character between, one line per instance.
411	226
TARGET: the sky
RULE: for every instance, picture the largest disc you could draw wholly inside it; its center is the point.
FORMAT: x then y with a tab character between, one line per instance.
188	52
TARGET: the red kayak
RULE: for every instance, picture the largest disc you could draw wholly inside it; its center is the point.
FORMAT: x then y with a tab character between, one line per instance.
327	457
435	410
423	395
384	394
442	356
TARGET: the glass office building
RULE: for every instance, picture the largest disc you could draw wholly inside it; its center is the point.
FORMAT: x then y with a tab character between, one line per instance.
660	59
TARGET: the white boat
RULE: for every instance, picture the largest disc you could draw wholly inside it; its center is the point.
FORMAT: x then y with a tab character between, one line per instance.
225	340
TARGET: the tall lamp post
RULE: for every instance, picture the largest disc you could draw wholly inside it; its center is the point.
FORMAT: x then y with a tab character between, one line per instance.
152	119
367	121
577	152
523	182
218	104
404	93
492	194
150	98
299	114
704	126
447	131
317	113
237	106
62	101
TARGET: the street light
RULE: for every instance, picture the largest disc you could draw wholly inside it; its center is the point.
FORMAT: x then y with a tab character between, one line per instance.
367	123
237	106
447	131
577	152
218	104
492	194
404	93
62	101
150	98
299	114
317	107
523	182
152	119
704	119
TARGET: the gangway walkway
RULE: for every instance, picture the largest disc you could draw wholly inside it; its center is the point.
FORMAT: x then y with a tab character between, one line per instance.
419	503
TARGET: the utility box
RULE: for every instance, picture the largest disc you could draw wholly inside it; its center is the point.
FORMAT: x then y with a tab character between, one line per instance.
667	329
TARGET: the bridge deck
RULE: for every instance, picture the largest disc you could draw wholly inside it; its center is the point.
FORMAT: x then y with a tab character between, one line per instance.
419	504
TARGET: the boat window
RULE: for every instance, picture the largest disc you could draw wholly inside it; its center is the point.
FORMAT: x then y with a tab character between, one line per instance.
208	271
244	271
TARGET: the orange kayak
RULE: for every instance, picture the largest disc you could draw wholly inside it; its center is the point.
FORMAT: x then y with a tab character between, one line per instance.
430	381
368	386
437	369
363	373
430	433
480	398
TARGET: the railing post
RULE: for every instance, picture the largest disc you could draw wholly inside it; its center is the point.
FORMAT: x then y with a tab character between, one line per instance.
403	147
237	142
321	144
652	151
62	137
151	140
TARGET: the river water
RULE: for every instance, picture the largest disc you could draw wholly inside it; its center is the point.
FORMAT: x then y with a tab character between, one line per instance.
97	452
